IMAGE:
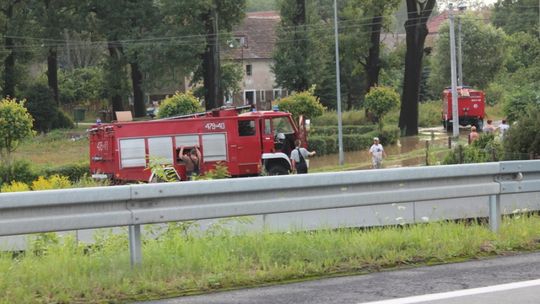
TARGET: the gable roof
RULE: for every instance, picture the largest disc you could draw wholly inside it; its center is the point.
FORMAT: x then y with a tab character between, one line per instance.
258	30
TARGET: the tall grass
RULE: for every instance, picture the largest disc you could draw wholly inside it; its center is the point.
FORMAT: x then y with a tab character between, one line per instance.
60	270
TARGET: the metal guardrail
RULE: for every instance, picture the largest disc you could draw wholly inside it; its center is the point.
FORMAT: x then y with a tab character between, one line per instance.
133	205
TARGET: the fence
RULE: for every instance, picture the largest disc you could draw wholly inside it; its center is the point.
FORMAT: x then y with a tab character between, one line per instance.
134	205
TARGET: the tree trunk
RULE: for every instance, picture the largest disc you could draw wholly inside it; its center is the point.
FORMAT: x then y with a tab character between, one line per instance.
9	61
138	94
52	73
115	68
373	64
417	31
211	63
9	68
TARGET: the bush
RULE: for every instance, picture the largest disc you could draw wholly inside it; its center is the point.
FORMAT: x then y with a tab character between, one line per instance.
302	103
523	138
19	171
41	105
485	149
380	101
74	172
14	187
333	130
180	104
429	113
15	125
62	121
52	182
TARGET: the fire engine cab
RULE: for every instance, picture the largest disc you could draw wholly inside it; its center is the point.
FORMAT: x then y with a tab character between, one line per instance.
244	142
471	108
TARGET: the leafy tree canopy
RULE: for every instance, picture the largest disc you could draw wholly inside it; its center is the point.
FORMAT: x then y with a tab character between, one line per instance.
180	104
15	125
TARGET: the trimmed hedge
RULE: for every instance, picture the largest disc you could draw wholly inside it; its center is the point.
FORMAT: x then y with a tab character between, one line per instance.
74	172
328	144
350	129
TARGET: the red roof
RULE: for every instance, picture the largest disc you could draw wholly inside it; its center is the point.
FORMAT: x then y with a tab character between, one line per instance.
435	22
258	31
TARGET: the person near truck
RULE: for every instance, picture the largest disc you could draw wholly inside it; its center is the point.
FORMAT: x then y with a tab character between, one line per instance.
489	127
191	160
299	156
377	153
503	128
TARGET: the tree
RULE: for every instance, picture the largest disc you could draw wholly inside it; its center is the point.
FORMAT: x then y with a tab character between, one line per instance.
52	18
483	50
302	103
523	138
516	16
217	16
380	101
14	14
15	126
179	104
418	13
292	49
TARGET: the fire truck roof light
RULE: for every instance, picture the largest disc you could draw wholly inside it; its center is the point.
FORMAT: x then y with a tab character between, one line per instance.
275	108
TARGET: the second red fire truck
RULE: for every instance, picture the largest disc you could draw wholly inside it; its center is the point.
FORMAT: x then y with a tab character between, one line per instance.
471	108
247	143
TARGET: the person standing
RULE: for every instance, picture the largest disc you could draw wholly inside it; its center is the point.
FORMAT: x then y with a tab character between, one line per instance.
489	127
503	128
377	153
192	161
299	156
473	135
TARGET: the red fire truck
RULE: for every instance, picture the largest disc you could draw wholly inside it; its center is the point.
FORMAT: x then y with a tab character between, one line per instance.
245	142
471	108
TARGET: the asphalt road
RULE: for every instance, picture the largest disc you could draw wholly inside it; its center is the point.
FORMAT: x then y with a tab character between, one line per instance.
442	284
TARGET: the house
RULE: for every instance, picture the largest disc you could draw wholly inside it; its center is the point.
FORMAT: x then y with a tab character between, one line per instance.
252	48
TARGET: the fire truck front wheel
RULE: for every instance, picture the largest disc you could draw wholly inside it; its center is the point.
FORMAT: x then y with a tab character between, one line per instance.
277	169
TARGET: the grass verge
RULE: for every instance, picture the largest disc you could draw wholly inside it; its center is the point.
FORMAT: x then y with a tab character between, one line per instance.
57	270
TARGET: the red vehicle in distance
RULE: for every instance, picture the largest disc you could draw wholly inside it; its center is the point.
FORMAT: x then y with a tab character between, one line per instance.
247	143
471	108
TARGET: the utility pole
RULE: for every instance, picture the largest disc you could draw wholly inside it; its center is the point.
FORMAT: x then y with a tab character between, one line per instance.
338	89
455	115
461	7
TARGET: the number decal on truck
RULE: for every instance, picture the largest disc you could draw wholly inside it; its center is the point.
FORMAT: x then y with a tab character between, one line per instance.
215	126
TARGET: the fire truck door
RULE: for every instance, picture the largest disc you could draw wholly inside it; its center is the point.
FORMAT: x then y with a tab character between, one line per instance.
248	147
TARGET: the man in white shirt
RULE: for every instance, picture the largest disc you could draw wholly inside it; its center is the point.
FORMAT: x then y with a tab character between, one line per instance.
377	153
503	128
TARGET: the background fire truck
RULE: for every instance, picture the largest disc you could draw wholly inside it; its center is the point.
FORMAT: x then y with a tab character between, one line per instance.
471	108
246	143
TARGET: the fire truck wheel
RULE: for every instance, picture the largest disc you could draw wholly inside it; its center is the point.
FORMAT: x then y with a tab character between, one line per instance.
278	170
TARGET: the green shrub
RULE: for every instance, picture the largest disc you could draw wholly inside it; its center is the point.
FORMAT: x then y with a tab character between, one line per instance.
333	130
62	121
180	104
380	101
429	114
487	148
41	105
329	118
523	138
15	126
74	172
302	103
19	171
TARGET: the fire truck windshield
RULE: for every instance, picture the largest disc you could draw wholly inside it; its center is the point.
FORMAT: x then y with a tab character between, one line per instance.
282	125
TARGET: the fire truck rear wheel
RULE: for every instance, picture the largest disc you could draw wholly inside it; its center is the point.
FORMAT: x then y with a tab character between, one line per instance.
278	170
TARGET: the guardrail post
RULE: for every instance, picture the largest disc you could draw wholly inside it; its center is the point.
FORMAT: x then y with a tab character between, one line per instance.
494	212
135	245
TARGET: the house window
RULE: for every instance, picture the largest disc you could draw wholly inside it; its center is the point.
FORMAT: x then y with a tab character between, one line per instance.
263	95
249	70
277	94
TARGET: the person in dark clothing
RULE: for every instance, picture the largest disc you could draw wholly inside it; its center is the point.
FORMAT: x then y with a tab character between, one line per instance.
299	156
